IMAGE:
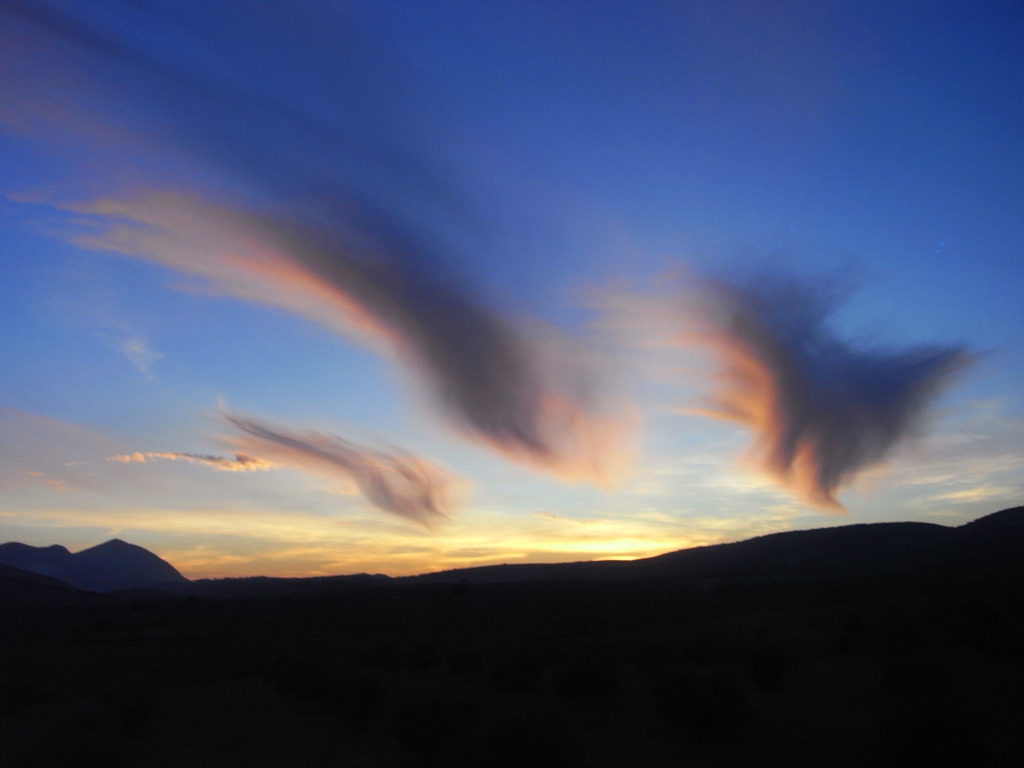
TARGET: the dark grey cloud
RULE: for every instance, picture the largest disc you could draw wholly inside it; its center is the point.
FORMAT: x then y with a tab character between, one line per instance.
334	148
821	408
393	481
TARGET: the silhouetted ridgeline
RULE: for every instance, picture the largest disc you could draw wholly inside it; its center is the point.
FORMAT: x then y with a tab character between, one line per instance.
851	551
867	549
111	566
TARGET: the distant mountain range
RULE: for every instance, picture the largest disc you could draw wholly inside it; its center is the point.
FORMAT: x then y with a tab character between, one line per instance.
869	549
108	567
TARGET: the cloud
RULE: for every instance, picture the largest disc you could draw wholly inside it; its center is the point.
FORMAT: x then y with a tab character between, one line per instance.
534	397
137	350
240	463
821	408
393	481
86	295
55	483
345	221
37	449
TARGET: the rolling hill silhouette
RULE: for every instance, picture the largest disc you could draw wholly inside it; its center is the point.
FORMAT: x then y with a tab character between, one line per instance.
865	549
851	551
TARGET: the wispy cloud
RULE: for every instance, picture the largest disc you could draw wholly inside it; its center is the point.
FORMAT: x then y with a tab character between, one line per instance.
346	220
55	483
36	449
821	408
393	481
137	350
972	460
535	397
240	463
86	296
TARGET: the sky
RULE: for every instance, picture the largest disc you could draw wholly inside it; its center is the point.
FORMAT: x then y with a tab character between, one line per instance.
299	289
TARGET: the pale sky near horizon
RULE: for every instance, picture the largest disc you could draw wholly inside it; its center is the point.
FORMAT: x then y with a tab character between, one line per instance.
395	287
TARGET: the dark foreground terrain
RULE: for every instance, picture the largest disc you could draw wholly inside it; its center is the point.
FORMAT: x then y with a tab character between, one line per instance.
922	666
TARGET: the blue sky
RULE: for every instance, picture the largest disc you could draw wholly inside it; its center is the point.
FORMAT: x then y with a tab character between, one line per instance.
396	287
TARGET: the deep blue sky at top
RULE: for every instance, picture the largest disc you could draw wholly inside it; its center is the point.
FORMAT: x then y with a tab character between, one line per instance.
888	134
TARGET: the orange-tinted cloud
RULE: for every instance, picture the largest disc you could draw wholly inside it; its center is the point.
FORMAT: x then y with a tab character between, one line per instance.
393	481
820	408
534	397
347	220
240	463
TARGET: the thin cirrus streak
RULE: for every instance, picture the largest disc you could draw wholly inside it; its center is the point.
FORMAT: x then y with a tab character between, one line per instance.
393	481
820	408
347	233
241	462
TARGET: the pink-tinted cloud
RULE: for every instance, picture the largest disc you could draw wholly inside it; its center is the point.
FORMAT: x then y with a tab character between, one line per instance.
241	462
393	481
346	219
536	398
820	408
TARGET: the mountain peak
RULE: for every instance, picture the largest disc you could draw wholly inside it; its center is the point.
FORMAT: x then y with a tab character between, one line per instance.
110	566
112	545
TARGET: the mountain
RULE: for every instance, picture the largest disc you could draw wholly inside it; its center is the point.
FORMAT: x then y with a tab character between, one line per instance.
107	567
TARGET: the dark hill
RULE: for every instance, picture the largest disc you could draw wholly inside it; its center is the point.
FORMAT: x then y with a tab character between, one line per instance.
48	561
851	550
1008	521
114	565
867	549
20	587
8	574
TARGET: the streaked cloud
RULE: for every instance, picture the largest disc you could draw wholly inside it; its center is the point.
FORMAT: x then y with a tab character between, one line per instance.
36	450
535	396
393	481
969	464
86	295
137	350
241	462
338	214
55	483
821	408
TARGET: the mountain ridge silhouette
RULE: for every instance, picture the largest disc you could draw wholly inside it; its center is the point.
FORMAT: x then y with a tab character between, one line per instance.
108	567
859	549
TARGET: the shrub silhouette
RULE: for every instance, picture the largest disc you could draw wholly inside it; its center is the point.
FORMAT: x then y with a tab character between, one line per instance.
133	701
530	738
90	738
588	682
436	726
522	669
380	655
465	663
358	698
299	678
927	735
420	658
702	703
767	666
